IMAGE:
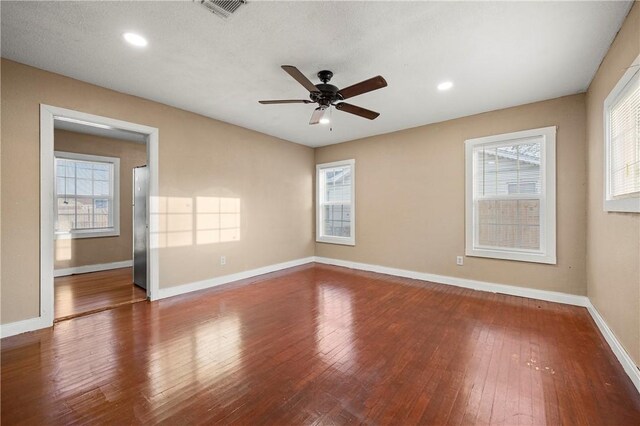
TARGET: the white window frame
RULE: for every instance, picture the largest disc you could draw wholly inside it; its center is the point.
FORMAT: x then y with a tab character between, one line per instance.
627	203
350	241
112	231
547	252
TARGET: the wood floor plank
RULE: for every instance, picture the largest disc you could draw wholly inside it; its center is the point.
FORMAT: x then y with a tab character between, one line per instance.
320	345
83	294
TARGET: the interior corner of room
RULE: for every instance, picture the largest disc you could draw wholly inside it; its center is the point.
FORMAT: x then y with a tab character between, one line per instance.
497	191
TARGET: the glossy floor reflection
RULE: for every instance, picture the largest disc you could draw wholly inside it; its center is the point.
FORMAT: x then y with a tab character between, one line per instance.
94	291
320	344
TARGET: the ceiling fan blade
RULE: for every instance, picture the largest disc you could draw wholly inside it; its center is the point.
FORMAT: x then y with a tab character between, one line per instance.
300	78
356	110
286	101
318	113
374	83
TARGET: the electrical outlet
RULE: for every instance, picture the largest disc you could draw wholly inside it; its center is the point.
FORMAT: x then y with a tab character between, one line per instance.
223	260
459	260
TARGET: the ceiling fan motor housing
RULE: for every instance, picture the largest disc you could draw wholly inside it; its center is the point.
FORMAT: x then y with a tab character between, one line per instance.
328	92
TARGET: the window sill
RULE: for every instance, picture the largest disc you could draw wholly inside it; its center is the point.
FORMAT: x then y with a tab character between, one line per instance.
622	205
517	256
111	232
337	240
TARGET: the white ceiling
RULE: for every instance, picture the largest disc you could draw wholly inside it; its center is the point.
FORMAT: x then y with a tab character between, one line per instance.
498	54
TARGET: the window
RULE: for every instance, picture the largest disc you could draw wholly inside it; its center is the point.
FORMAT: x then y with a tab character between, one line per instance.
86	195
335	214
510	196
622	144
521	187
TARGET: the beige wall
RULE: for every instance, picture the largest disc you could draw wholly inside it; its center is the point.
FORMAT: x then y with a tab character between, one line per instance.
91	251
410	193
410	197
613	245
198	157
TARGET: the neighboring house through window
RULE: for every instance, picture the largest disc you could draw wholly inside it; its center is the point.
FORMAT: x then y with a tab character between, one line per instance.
86	192
622	143
510	196
335	207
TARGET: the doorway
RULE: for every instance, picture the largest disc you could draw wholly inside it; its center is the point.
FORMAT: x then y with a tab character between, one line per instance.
88	210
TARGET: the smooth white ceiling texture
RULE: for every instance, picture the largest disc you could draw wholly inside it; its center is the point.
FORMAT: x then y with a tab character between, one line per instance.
498	54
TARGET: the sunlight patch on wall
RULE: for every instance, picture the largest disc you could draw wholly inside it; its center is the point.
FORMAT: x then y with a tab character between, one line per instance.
217	220
174	221
63	248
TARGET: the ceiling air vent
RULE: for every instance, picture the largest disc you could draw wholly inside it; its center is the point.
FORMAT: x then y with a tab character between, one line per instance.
222	8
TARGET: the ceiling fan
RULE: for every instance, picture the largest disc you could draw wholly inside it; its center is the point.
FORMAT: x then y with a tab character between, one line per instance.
327	95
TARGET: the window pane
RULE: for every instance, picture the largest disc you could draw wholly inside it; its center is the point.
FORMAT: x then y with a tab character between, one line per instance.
101	210
509	223
65	223
83	170
511	169
84	187
84	211
66	214
86	179
334	207
65	186
101	206
529	168
60	187
624	140
337	221
101	174
100	188
338	184
83	221
66	206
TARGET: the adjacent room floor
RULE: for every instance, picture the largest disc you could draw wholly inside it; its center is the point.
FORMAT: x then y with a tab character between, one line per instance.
83	294
321	344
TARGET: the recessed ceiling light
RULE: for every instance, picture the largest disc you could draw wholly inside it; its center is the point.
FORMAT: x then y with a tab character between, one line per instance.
325	120
135	39
445	85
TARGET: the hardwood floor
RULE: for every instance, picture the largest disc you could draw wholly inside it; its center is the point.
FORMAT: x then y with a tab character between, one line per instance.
96	291
323	345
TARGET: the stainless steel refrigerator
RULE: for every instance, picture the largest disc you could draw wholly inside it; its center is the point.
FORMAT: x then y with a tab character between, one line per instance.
140	225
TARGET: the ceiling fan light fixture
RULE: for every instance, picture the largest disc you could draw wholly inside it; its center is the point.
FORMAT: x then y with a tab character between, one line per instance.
327	95
445	85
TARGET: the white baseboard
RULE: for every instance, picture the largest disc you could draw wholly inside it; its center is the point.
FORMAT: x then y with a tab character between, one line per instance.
550	296
18	327
92	268
225	279
623	357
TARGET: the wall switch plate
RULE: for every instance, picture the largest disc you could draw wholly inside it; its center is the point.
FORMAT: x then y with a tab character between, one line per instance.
223	260
459	260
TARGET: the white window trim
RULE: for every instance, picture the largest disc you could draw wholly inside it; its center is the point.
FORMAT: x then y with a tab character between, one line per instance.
631	203
113	231
547	253
349	241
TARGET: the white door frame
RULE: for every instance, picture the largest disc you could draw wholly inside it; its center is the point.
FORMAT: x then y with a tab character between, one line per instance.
48	114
